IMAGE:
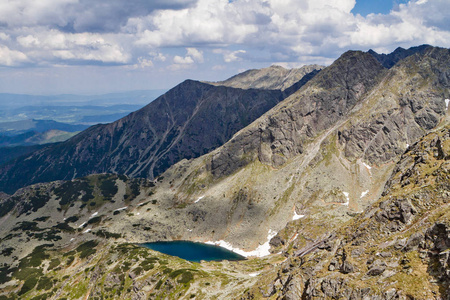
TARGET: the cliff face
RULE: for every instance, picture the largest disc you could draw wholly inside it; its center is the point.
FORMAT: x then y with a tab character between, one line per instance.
383	111
318	106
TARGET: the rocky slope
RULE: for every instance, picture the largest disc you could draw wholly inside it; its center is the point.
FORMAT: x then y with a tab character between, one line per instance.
271	78
397	249
188	121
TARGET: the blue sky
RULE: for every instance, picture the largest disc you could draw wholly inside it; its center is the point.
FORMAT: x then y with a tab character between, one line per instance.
365	7
91	47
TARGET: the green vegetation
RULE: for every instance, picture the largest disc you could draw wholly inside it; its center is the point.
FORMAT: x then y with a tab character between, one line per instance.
86	249
108	186
55	262
94	220
107	235
42	219
70	191
7	251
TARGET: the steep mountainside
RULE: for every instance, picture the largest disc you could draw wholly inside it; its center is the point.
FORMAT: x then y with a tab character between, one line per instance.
271	78
188	121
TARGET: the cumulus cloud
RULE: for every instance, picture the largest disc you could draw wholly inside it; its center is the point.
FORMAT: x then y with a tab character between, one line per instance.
146	32
230	56
10	57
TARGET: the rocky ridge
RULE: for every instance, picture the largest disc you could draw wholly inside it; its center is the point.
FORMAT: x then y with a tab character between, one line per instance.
271	78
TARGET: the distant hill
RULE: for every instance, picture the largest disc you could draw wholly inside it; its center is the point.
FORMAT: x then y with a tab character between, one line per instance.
20	127
35	138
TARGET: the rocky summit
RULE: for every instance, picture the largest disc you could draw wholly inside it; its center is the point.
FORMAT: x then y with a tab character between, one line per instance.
334	186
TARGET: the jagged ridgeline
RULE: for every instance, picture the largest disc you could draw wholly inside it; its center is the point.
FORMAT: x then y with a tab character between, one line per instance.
337	187
188	121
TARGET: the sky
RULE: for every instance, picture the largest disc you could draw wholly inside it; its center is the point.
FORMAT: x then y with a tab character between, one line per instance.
103	46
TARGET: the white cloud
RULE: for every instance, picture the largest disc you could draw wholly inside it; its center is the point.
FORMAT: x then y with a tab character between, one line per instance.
183	60
4	36
79	46
195	54
10	57
230	56
145	33
158	56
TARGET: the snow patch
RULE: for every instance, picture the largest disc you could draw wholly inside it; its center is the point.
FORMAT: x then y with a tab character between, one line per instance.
72	239
447	101
199	198
94	214
296	217
87	230
261	251
254	274
138	214
190	230
82	225
364	193
295	237
122	208
348	199
367	166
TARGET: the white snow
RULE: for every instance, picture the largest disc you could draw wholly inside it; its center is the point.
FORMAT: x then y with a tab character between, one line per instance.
138	214
190	230
296	217
407	145
253	274
364	193
367	166
261	251
122	208
82	225
72	239
94	214
199	198
348	199
295	237
446	103
87	230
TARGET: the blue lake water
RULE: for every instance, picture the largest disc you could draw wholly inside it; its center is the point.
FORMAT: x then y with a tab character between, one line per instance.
193	251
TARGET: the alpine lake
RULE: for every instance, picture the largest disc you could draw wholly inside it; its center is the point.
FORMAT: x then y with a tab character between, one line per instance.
193	251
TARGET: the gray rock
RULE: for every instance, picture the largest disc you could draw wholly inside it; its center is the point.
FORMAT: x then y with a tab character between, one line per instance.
347	267
414	241
377	268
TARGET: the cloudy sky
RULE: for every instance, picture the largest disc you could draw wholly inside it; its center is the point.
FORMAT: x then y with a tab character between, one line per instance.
100	46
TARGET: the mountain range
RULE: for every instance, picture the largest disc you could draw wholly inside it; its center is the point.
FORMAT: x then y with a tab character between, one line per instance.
334	181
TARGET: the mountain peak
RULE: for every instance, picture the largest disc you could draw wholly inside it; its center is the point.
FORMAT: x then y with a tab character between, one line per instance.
389	60
274	77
